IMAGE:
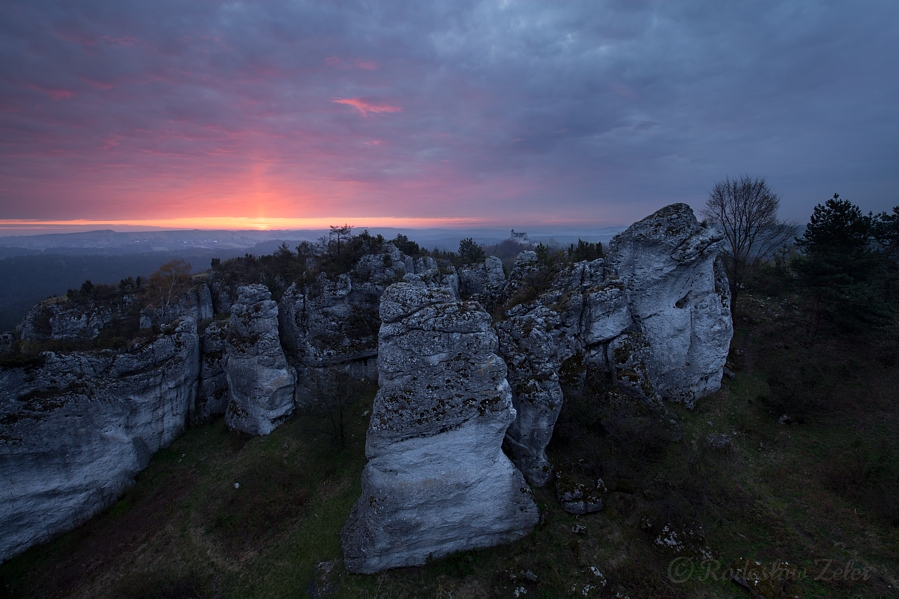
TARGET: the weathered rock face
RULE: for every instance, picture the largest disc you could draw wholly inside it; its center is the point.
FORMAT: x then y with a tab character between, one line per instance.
75	431
679	298
195	303
332	324
437	480
83	319
261	384
205	309
654	316
529	341
221	294
212	391
483	282
522	280
535	340
62	320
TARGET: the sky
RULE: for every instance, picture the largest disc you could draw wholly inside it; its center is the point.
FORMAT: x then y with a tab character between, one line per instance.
291	114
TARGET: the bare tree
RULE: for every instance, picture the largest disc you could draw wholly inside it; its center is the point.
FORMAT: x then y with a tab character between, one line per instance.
746	210
168	284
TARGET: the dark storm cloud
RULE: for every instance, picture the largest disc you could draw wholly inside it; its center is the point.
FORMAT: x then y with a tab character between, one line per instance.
584	111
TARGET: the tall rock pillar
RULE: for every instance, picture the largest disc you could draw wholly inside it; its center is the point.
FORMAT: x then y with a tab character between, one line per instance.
261	383
437	480
679	296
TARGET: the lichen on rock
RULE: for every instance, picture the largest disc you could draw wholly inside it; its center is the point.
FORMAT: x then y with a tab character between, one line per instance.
436	480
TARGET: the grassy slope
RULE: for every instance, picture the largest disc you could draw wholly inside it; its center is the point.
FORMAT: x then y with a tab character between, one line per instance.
824	489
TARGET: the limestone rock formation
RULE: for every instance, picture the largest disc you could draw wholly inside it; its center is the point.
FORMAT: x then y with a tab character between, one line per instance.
196	303
437	480
332	323
61	320
75	430
261	383
205	309
523	277
577	310
654	316
679	297
650	321
221	294
419	266
529	342
482	281
212	391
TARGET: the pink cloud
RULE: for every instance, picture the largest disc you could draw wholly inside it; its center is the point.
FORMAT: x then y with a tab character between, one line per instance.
368	65
332	61
367	108
54	92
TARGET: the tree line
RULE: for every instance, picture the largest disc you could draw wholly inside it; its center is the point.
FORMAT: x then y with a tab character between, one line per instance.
845	263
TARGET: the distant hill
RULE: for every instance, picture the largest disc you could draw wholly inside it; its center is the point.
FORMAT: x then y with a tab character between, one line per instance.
25	280
139	242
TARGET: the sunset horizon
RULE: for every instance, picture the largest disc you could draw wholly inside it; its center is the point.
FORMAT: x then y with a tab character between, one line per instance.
481	298
282	114
32	227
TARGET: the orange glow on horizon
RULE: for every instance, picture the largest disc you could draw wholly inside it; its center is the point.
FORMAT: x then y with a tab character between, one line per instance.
257	224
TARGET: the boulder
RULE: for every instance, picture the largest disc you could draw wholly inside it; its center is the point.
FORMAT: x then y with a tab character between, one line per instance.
261	384
578	498
436	480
